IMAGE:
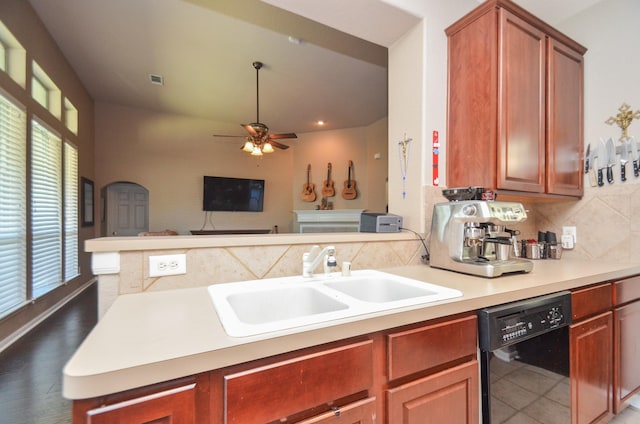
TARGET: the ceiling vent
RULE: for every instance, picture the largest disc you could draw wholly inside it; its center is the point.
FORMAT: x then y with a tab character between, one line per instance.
156	79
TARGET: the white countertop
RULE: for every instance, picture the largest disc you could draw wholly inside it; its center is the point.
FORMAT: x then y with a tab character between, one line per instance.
153	337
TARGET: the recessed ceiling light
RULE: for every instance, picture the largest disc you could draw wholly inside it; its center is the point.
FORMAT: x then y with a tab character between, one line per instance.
156	79
321	123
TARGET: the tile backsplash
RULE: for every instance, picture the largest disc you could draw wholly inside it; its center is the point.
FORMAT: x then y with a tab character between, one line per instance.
607	221
605	218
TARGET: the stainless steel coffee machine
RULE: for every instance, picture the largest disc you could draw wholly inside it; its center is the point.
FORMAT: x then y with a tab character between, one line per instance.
469	236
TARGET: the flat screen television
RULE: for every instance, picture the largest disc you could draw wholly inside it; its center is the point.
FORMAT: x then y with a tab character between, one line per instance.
232	194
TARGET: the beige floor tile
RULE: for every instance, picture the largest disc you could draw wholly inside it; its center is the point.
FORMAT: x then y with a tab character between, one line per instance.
628	416
521	418
547	411
512	394
560	393
532	381
500	411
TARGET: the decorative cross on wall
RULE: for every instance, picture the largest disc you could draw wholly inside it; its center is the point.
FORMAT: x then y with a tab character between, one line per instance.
403	150
623	119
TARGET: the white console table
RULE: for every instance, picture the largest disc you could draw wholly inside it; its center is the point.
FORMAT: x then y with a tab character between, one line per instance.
328	221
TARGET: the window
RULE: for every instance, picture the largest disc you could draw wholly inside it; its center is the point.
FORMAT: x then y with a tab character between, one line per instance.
14	57
71	218
46	209
45	92
13	201
70	116
3	57
39	185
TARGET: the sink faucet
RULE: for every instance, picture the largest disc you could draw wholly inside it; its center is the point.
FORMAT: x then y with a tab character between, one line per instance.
311	260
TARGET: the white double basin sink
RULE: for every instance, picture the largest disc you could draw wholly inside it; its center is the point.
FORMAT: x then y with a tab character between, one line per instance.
255	307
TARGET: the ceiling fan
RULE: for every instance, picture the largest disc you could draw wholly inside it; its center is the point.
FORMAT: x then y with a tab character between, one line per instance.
259	140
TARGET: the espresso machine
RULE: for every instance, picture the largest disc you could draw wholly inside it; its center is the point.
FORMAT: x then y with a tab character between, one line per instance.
470	236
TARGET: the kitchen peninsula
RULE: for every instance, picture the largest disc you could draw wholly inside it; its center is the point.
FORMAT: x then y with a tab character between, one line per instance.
146	340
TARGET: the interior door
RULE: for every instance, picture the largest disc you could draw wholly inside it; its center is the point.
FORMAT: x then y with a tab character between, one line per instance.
127	209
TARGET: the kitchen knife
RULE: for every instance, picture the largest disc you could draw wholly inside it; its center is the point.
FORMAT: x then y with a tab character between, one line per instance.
591	172
602	161
586	159
634	156
611	159
624	158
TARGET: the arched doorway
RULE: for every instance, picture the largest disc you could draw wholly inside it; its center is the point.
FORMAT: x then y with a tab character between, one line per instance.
126	209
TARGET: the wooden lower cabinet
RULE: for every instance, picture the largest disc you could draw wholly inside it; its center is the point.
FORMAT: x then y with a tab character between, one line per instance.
591	369
425	372
182	401
626	358
286	388
361	412
433	373
450	396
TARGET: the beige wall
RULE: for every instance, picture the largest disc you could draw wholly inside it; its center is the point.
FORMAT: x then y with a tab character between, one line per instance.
338	147
169	155
25	25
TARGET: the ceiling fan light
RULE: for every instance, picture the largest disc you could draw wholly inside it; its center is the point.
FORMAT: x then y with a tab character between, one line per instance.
267	148
256	151
248	146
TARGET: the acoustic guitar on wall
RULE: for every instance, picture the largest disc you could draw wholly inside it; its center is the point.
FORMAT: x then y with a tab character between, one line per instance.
327	188
349	191
308	188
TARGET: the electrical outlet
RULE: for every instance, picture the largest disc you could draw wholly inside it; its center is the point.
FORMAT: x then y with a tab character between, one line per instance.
570	231
167	265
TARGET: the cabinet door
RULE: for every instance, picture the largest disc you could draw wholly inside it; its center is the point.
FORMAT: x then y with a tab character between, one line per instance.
521	106
591	369
564	120
170	406
472	104
291	386
362	412
450	396
626	350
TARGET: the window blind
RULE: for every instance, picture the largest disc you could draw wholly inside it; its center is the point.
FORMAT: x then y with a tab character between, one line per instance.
71	206
46	209
13	206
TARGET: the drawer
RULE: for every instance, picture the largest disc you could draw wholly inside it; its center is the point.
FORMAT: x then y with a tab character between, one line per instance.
275	391
590	301
360	412
422	348
626	290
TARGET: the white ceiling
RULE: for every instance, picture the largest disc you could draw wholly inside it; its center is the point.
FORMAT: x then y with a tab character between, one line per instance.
555	11
204	50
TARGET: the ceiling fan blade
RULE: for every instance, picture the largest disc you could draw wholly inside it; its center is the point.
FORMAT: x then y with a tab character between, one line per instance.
281	136
278	145
250	129
227	135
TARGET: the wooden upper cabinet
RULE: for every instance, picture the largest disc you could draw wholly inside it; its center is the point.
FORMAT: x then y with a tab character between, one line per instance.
514	119
565	68
521	106
473	103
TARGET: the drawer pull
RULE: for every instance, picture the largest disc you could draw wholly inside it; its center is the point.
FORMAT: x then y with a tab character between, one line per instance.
336	411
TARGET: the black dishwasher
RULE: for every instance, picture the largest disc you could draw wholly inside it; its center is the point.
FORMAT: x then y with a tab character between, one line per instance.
524	360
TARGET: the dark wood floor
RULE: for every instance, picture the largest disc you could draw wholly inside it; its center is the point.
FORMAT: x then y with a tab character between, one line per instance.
31	368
